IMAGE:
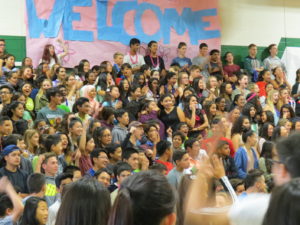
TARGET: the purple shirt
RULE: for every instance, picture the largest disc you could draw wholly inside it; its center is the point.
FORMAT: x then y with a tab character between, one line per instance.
153	116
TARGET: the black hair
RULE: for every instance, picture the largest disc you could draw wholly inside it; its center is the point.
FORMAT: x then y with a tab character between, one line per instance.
214	51
5	203
289	107
7	110
180	134
150	43
252	177
106	112
158	167
179	125
61	177
246	112
162	147
266	153
29	214
79	102
263	132
178	155
189	143
237	127
144	68
276	133
283	206
270	116
51	140
134	41
11	139
181	44
202	45
120	167
247	134
95	153
261	74
88	197
111	148
71	169
103	170
11	90
73	121
119	113
3	119
168	76
51	92
289	153
97	135
35	182
126	154
148	198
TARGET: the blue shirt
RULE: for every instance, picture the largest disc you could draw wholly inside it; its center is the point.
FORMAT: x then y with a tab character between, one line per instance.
182	61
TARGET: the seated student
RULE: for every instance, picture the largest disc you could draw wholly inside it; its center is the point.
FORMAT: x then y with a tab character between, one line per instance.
192	147
182	162
61	181
238	185
51	113
99	161
223	151
245	158
114	153
35	212
135	134
18	140
12	79
118	61
11	207
131	156
123	171
49	165
6	95
36	184
82	108
75	171
6	127
12	160
254	183
103	176
164	153
120	131
160	168
177	140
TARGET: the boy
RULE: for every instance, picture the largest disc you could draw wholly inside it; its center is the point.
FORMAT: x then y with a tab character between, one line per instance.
133	58
202	59
36	184
118	59
99	161
215	65
164	152
119	131
12	79
135	134
252	64
131	156
103	176
182	162
154	61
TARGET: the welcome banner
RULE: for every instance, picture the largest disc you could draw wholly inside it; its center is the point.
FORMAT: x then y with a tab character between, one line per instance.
96	29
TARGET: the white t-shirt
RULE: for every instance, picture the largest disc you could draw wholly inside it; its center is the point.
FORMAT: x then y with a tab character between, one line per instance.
135	61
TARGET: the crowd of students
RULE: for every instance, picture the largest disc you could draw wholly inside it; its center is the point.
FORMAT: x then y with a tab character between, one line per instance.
115	143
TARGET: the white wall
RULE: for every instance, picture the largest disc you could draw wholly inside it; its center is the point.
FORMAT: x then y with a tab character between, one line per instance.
12	18
259	21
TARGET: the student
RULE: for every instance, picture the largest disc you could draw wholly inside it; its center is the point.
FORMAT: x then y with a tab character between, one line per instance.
223	151
75	171
131	156
49	164
133	58
245	157
60	181
196	155
12	159
254	183
99	161
153	60
178	140
112	98
12	79
114	152
103	176
252	64
11	207
123	171
82	108
164	152
181	59
119	132
134	135
182	162
202	60
215	64
139	193
52	113
35	212
6	93
36	184
91	207
118	61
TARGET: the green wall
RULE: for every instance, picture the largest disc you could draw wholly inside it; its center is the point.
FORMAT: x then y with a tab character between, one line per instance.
15	45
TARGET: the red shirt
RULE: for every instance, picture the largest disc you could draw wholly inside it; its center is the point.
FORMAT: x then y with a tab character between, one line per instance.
204	144
167	164
262	88
230	69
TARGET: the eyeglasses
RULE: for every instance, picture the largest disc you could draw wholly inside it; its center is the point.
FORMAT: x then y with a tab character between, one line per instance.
102	157
2	45
4	93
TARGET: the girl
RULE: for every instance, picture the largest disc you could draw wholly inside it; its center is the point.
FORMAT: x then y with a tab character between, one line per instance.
242	124
94	123
238	101
9	64
271	104
59	76
280	79
230	68
140	80
279	131
41	100
26	115
170	114
126	70
15	112
265	164
249	110
295	88
107	117
102	137
89	92
212	87
210	109
26	89
83	68
168	85
105	81
284	98
265	134
233	116
72	87
200	88
183	82
264	78
66	149
49	55
26	75
31	138
286	123
27	61
221	106
112	98
90	78
287	112
35	212
153	92
246	158
267	117
75	131
226	92
195	117
124	87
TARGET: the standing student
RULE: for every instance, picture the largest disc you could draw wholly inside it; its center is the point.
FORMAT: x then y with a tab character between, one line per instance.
181	59
132	57
182	162
252	64
119	132
153	59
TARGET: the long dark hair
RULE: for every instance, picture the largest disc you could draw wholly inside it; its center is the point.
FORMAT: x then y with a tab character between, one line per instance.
237	127
283	209
29	215
263	132
46	54
266	153
97	135
148	198
86	202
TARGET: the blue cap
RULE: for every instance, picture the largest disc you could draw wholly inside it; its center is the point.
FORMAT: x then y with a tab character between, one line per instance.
9	149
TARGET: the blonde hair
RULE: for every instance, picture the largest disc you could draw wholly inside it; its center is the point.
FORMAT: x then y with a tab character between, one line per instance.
27	136
270	99
118	54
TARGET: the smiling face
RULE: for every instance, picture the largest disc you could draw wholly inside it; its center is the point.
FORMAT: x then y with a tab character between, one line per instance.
26	89
167	102
42	212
